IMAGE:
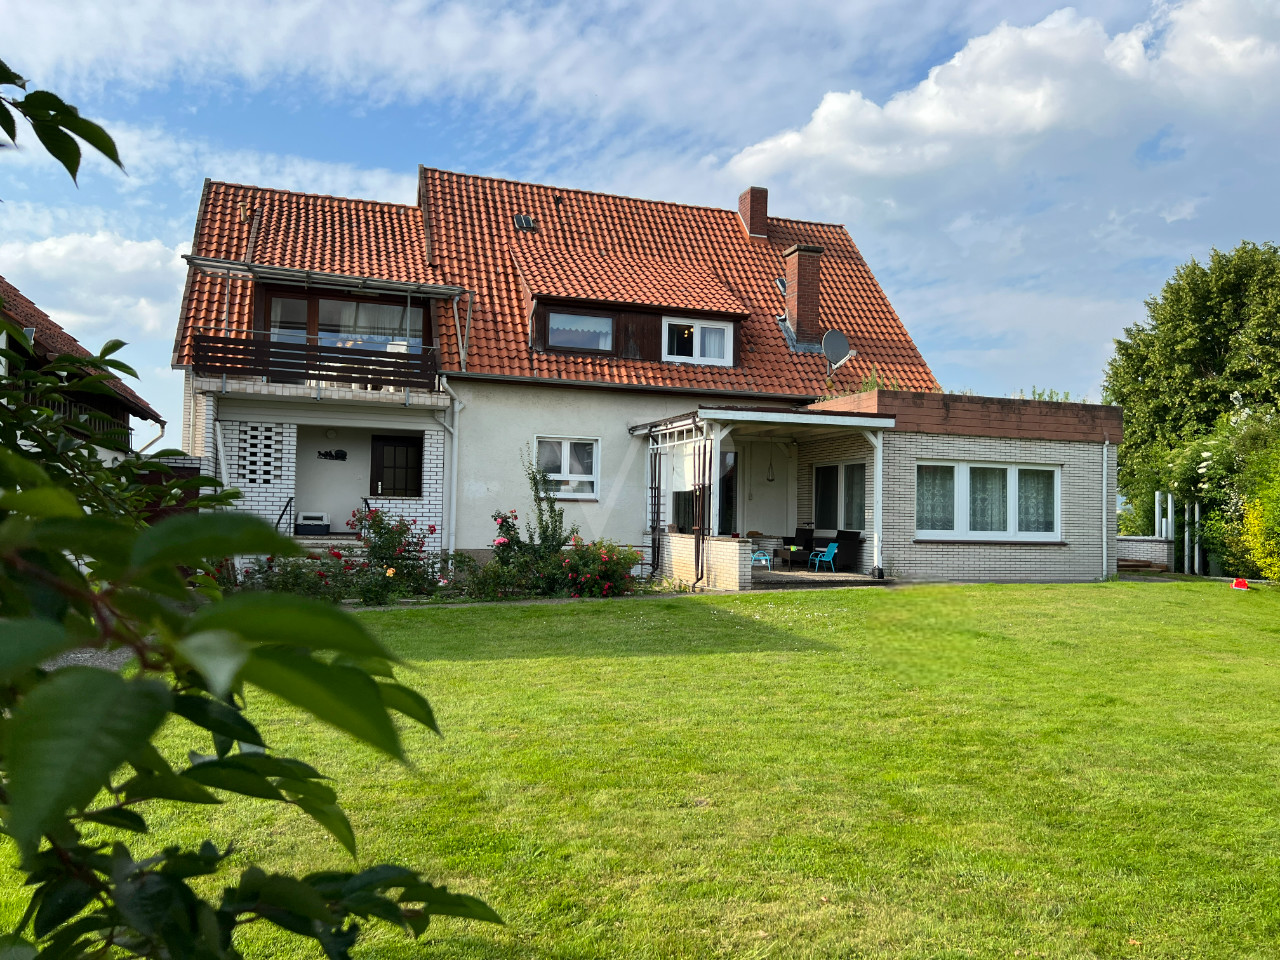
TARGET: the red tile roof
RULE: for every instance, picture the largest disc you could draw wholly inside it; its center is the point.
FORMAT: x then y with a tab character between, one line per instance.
586	246
305	231
52	341
647	251
551	271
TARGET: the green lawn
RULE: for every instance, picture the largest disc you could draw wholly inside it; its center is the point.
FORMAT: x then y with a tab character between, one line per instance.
952	771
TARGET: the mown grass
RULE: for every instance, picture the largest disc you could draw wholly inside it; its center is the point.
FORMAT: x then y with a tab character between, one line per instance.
952	771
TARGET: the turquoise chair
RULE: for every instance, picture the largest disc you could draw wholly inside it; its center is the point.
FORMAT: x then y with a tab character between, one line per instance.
827	556
761	556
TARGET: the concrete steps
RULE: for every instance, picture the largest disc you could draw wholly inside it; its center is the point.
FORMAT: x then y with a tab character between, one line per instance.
347	545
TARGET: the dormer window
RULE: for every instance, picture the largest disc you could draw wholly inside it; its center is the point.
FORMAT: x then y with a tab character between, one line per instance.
697	341
580	331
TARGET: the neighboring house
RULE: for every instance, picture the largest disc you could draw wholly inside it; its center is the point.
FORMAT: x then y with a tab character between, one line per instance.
670	367
49	340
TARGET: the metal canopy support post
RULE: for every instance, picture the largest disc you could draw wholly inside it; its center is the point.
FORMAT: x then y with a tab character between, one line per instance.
1186	536
876	439
1196	569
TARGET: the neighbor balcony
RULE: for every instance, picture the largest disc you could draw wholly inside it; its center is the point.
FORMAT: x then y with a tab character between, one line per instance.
319	362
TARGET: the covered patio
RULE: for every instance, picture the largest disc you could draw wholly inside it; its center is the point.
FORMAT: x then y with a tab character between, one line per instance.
727	483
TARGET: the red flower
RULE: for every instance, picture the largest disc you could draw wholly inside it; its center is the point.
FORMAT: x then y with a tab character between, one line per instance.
337	554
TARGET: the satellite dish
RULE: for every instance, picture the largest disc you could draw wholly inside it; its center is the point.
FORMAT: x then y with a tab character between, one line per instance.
835	347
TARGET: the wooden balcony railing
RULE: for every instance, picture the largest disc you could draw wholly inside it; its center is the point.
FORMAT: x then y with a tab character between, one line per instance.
281	362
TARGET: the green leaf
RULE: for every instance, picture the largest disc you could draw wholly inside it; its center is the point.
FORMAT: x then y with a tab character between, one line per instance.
67	736
100	537
290	893
270	766
41	502
439	901
331	817
29	642
18	471
118	818
161	786
381	877
218	655
229	775
189	538
9	77
7	123
340	696
285	619
409	702
61	146
309	789
216	717
62	900
12	946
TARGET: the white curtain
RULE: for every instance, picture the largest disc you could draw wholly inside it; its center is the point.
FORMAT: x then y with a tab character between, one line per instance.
1035	501
988	498
935	497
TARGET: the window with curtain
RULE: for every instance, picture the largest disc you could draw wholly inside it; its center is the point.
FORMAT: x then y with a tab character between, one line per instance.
370	326
935	497
826	497
571	466
288	320
1036	511
575	331
988	498
697	341
855	496
987	501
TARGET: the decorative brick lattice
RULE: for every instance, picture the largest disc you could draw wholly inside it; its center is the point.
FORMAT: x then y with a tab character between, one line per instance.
255	460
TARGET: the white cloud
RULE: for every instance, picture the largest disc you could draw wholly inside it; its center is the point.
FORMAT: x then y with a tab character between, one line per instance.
95	284
1021	201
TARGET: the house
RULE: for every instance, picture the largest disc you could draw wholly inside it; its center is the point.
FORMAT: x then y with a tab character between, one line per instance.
687	376
111	412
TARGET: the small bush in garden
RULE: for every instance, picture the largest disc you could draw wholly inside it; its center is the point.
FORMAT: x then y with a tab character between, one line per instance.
599	569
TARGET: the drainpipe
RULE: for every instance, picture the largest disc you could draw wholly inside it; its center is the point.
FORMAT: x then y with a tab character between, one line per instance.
1197	544
1105	526
458	407
876	438
154	440
1186	536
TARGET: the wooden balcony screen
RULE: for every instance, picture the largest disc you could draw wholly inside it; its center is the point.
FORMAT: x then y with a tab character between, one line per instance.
281	362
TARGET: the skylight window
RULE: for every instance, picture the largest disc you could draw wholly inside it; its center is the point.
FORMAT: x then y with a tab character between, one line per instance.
525	222
782	284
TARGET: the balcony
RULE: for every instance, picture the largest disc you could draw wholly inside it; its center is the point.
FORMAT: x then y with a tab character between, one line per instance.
257	356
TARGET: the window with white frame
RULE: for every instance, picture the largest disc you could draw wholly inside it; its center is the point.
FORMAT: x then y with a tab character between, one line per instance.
988	501
697	341
572	466
839	497
579	331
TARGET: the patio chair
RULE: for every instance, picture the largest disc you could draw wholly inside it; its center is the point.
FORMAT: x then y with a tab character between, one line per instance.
761	556
826	555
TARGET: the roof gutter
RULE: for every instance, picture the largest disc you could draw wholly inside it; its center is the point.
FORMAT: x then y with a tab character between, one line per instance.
633	387
317	278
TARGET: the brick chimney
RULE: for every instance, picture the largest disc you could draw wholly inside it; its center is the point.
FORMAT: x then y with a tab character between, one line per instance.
804	289
753	208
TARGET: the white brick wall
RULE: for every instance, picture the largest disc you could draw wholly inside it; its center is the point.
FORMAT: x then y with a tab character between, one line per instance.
427	509
1151	549
727	561
262	465
1078	558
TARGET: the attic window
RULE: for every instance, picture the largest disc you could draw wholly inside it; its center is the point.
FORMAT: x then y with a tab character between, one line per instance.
782	284
525	222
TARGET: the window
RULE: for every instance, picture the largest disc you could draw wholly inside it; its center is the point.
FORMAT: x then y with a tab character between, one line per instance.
370	326
839	497
396	468
981	501
697	341
364	324
576	331
572	466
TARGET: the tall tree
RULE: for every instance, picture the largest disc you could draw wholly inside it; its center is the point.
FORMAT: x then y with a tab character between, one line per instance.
1210	343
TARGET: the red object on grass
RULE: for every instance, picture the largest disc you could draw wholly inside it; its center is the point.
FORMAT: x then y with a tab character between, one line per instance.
1240	583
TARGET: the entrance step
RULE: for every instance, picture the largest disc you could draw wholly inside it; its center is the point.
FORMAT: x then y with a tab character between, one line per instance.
348	546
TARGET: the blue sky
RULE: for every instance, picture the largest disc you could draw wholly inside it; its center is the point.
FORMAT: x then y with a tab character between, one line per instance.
1020	176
